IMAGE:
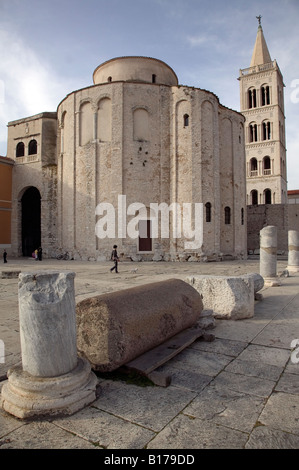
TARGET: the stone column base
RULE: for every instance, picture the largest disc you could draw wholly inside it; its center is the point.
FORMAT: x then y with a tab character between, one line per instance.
272	281
25	396
293	269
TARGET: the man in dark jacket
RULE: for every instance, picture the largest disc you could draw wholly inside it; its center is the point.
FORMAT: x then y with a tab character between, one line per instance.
115	258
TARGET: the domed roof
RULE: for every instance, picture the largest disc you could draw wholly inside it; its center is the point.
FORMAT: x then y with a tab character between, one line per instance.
135	69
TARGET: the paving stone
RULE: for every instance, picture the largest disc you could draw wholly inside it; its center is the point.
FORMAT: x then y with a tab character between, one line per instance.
185	378
220	346
185	432
279	334
223	406
255	369
282	412
202	362
43	435
8	423
151	407
265	355
288	383
263	437
106	430
245	384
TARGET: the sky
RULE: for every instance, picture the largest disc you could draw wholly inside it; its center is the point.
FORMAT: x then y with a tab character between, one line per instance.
49	48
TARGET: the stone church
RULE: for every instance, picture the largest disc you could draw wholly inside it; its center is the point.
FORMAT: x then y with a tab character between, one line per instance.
137	136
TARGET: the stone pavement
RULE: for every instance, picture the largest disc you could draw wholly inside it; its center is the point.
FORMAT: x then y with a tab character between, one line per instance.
239	391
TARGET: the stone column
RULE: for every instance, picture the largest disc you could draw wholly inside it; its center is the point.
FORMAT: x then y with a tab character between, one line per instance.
268	256
293	258
52	379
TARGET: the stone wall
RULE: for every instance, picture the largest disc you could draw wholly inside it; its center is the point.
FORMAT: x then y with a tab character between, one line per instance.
263	215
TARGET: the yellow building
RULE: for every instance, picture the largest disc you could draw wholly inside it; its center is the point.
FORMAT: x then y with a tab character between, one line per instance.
6	165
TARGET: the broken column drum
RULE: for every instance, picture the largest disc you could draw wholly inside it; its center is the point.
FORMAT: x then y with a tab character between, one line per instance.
115	328
268	255
293	256
52	379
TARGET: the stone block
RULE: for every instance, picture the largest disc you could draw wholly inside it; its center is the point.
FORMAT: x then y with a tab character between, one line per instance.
229	297
115	328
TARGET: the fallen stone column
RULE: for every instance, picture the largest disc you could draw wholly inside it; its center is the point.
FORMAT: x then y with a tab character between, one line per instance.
293	256
229	297
115	328
52	380
268	256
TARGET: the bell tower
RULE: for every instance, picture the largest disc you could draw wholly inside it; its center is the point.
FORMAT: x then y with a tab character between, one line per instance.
262	104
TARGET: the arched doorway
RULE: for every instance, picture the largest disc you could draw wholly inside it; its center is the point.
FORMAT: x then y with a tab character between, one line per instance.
31	218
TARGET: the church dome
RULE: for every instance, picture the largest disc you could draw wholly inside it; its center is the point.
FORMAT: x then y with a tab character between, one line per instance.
135	69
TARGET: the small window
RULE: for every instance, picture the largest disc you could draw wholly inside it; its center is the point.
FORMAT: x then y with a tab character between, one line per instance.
20	149
186	120
154	78
227	215
242	216
109	79
253	167
253	133
208	212
266	131
265	95
32	147
267	196
254	197
252	98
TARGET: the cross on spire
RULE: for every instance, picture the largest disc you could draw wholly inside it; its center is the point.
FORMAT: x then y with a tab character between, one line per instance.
259	18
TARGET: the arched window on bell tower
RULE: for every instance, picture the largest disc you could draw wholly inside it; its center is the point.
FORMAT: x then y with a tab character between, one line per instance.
252	103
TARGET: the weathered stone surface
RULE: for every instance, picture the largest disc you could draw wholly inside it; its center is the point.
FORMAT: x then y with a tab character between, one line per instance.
113	329
47	323
293	255
268	255
25	396
229	297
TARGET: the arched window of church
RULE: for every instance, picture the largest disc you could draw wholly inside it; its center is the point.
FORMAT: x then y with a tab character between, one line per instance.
242	216
208	212
227	215
86	123
253	133
186	120
267	196
140	125
20	149
266	130
252	98
265	95
104	120
267	165
254	197
253	167
32	147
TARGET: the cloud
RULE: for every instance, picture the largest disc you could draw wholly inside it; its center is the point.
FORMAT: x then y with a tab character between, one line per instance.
199	40
28	84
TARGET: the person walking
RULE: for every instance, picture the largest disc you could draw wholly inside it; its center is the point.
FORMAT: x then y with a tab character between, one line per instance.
115	258
4	256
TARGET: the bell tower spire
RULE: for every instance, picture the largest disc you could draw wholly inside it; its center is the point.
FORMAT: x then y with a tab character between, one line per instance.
261	53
